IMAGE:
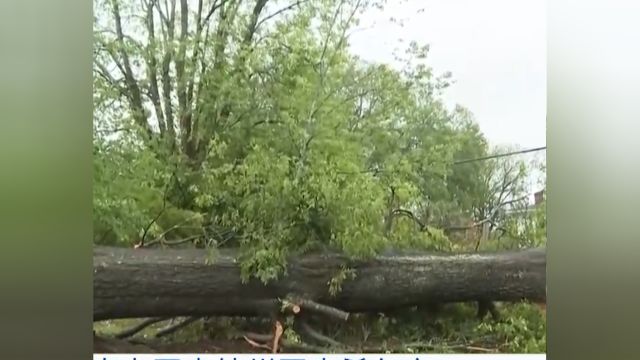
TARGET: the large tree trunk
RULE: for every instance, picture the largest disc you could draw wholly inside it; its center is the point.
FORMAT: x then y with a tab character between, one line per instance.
147	283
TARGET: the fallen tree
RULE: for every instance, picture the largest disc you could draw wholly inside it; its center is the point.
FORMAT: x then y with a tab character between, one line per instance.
135	283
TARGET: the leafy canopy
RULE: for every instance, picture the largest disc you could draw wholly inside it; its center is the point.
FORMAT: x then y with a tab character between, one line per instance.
249	123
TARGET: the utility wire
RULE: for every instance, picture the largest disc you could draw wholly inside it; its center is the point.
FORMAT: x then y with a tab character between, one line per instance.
500	155
466	161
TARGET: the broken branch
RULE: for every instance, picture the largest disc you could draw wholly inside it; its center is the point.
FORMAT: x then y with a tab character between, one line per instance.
173	328
141	326
322	309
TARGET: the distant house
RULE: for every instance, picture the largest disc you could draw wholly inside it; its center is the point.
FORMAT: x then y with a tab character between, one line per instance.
539	197
468	230
520	214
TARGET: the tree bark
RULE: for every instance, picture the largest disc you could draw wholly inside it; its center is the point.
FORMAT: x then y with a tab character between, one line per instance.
132	283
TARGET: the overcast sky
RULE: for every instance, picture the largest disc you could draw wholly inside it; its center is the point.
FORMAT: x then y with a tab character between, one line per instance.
495	49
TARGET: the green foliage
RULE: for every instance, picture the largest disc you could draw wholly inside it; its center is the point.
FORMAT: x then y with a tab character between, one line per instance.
523	331
526	228
527	231
335	284
131	190
454	329
285	142
127	192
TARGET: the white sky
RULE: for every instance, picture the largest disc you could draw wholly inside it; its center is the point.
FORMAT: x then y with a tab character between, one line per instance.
495	49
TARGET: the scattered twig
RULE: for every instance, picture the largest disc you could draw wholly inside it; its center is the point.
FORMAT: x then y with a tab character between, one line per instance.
141	326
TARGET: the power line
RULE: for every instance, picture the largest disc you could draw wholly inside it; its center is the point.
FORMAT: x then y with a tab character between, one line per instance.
376	171
500	155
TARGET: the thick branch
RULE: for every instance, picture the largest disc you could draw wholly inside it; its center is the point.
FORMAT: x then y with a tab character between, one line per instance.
136	329
135	96
167	87
196	52
215	6
315	335
278	12
152	69
253	23
180	69
225	19
108	77
322	309
175	327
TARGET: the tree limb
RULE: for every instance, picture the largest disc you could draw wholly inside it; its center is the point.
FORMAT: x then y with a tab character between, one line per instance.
322	309
215	6
107	76
316	335
412	216
135	96
152	69
173	328
196	52
278	12
184	111
141	326
253	23
166	67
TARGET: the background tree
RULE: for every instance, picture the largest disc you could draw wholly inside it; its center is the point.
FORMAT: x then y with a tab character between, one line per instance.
248	123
